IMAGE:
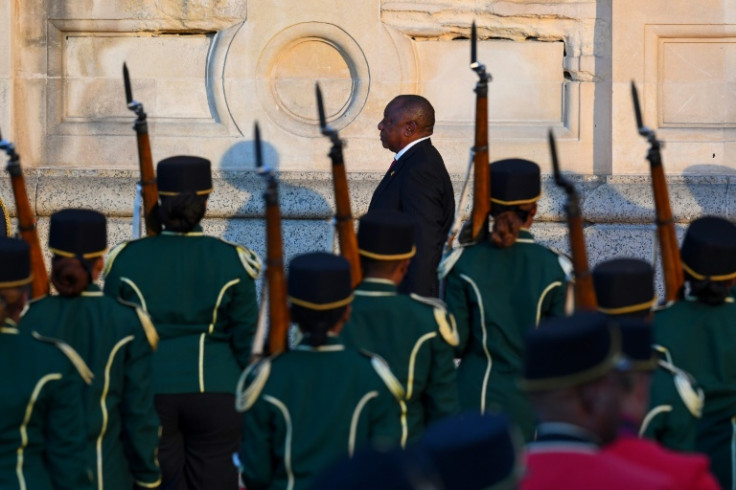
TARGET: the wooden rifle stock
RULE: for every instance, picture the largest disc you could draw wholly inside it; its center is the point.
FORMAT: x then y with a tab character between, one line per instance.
585	299
278	310
482	174
672	271
26	221
343	215
149	188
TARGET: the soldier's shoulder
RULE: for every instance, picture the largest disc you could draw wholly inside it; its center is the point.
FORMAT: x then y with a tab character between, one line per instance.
443	319
688	389
247	257
144	320
251	383
66	351
118	251
381	367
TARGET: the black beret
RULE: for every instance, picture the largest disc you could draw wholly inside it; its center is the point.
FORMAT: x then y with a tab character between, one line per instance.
179	174
624	286
78	233
471	450
570	351
515	181
636	343
709	249
15	256
319	281
386	235
4	220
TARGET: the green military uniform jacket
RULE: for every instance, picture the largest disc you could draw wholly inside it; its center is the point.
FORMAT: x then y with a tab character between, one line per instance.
701	339
675	406
415	336
496	295
309	407
115	341
42	435
200	293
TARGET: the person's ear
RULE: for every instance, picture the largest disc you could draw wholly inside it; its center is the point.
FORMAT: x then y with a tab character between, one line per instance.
410	128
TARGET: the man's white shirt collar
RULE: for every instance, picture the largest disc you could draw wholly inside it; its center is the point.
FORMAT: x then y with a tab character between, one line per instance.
406	148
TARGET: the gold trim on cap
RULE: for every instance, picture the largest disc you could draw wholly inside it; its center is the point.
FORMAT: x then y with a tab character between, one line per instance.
176	193
88	255
722	277
623	310
375	256
515	203
321	306
17	282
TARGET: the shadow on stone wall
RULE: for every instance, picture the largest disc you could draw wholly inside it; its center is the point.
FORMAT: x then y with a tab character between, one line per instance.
240	210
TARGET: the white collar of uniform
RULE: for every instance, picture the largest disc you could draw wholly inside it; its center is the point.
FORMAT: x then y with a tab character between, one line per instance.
406	148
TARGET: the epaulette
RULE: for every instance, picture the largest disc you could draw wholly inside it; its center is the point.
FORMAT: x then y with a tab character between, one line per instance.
250	260
448	262
445	320
245	397
70	353
692	396
385	373
148	327
112	256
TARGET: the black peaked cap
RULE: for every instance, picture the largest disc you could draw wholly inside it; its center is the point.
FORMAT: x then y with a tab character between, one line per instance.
78	233
386	235
636	343
709	249
471	450
15	262
570	351
319	281
515	181
624	286
184	173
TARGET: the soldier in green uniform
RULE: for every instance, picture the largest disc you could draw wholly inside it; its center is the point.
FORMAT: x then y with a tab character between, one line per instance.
500	288
42	434
699	334
624	287
308	407
115	340
200	293
414	334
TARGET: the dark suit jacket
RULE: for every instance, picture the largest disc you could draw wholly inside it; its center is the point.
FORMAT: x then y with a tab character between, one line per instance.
420	186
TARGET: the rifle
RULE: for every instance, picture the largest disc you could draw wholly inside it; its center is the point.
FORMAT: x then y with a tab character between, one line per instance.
278	310
343	216
674	277
482	174
26	220
147	185
584	291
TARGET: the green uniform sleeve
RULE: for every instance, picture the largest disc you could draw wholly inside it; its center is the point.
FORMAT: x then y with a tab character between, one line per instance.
65	434
140	421
440	397
385	420
256	451
457	300
242	319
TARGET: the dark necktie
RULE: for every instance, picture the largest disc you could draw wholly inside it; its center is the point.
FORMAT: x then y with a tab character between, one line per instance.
391	167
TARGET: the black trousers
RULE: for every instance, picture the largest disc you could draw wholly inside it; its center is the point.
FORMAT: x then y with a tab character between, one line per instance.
199	434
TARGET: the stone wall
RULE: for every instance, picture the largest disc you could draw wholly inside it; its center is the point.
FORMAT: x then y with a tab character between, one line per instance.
206	70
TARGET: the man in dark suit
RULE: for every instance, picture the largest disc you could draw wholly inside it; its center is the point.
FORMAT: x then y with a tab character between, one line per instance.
418	184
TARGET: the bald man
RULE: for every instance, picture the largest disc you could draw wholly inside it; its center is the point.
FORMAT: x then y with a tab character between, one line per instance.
416	183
